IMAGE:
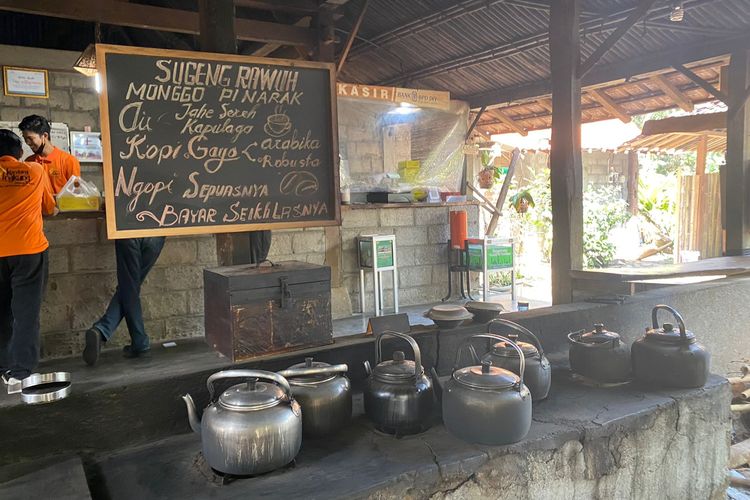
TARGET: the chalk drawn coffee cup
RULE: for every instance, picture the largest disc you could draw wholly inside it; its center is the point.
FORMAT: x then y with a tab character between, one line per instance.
277	124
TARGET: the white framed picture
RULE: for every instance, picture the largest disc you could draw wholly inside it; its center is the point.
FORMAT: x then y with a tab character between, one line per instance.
86	146
25	82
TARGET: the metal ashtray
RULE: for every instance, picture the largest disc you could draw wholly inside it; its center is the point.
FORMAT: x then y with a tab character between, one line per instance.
45	387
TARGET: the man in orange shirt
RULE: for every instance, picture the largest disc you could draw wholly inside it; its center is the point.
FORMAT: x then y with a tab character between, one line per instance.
60	166
25	194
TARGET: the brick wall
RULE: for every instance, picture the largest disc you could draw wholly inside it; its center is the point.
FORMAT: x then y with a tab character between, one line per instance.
82	278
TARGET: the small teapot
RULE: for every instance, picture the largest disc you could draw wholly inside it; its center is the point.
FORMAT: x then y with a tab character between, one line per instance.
398	395
538	372
665	357
600	355
251	428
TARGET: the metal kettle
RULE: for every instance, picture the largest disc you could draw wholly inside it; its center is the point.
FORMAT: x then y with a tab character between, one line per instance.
398	395
664	357
251	428
600	355
324	393
503	355
487	404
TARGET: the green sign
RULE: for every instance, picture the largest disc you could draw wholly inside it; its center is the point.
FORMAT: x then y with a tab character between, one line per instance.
498	257
385	253
384	250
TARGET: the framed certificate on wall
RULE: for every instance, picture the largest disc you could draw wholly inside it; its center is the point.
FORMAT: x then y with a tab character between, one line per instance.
25	82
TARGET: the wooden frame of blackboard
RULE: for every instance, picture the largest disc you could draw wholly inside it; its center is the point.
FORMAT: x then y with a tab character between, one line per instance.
109	197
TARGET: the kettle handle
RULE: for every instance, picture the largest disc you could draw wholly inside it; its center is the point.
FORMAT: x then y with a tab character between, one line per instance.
521	358
278	379
677	316
409	339
518	328
324	370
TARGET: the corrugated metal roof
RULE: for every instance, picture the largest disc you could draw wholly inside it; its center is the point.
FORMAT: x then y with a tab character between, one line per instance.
472	47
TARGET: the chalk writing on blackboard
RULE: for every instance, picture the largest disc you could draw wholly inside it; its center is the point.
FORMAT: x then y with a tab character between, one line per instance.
198	142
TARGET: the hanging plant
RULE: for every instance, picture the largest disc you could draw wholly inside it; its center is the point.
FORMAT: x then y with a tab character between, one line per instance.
521	201
488	173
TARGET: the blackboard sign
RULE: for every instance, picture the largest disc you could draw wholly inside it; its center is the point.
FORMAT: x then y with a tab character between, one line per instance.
196	142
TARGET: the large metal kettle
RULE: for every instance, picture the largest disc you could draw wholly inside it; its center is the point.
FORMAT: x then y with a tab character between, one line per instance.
487	404
324	393
251	428
665	357
398	395
503	355
600	355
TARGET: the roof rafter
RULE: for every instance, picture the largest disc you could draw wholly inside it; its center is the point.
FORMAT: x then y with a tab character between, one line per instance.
673	92
135	15
521	44
611	73
702	83
610	105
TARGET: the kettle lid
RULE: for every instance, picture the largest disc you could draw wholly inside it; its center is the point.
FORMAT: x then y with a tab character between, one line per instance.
486	376
599	335
669	334
251	395
310	379
506	350
397	369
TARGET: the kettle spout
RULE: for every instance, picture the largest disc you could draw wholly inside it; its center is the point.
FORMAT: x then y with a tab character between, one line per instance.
195	422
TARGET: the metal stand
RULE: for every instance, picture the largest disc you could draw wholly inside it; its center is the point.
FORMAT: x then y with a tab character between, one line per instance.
458	264
377	252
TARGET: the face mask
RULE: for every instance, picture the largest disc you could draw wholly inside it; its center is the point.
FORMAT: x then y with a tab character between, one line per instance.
40	149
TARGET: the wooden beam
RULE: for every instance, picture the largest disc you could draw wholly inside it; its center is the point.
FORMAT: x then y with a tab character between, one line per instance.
701	154
546	103
503	194
474	123
566	170
614	73
352	36
673	92
735	198
268	48
217	26
702	83
610	105
633	170
692	123
635	16
307	7
141	16
502	117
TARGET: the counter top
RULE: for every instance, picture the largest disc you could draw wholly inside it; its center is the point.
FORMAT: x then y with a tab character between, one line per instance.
360	206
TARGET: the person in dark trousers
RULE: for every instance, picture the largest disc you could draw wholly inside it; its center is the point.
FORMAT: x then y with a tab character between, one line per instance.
25	194
135	258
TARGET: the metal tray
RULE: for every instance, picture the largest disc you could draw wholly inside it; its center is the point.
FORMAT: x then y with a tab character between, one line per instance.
40	388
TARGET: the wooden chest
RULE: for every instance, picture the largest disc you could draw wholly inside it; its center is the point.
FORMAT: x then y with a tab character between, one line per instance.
251	311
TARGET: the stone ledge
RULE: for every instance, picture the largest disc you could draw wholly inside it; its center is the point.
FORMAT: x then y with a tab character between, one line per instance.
584	443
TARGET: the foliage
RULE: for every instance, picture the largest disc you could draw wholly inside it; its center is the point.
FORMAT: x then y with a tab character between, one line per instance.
603	210
503	278
541	216
485	156
516	200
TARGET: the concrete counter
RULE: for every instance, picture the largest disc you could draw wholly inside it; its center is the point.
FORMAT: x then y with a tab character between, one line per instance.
584	443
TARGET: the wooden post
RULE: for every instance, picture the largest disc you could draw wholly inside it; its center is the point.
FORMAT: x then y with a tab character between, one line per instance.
736	205
633	182
217	35
701	155
566	171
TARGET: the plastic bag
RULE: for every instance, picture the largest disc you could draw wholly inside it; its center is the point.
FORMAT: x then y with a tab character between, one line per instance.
78	195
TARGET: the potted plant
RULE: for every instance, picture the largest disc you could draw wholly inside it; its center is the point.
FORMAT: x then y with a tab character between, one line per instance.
521	201
488	174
